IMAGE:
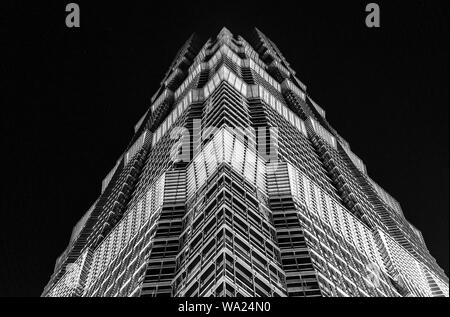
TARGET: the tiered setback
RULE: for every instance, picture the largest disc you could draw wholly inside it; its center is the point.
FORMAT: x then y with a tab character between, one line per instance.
235	184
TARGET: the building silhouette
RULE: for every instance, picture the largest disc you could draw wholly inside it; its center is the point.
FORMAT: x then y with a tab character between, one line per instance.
235	184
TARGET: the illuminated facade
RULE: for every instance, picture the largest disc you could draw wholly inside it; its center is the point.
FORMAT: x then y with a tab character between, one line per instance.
235	184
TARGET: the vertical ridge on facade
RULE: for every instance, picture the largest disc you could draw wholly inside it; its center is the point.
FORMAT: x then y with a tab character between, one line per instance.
235	184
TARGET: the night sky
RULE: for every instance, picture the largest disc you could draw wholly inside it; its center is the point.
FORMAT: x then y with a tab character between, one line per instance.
71	97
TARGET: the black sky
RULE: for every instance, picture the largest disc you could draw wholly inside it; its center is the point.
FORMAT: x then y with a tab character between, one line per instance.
71	97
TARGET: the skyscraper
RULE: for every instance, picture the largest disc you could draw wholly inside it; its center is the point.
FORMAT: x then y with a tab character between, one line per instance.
235	184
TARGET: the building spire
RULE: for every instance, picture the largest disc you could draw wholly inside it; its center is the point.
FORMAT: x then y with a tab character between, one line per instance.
224	32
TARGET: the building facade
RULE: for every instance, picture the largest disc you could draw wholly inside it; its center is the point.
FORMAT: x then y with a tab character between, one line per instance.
235	184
